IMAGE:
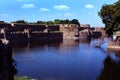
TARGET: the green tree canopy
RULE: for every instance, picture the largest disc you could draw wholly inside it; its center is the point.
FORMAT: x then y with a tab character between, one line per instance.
20	21
44	22
110	15
58	21
75	21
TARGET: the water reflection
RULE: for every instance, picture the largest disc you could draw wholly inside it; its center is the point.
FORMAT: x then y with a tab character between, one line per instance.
67	60
86	41
7	69
65	43
111	69
114	51
61	47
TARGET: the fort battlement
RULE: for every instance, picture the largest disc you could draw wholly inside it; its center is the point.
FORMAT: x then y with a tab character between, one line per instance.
30	32
39	32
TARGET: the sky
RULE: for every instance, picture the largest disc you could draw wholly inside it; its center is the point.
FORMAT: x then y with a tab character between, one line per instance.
86	11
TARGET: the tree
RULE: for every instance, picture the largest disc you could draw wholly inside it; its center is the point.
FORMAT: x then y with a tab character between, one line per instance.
49	22
41	22
19	21
57	21
75	21
67	21
110	15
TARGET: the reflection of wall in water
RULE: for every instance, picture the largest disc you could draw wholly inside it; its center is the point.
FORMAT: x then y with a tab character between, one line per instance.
18	47
70	43
58	46
85	40
35	44
49	44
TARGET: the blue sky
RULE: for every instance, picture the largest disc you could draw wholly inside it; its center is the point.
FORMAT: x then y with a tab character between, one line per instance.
86	11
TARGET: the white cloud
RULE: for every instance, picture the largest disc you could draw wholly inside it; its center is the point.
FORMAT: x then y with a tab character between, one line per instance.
68	14
44	9
61	7
28	6
89	6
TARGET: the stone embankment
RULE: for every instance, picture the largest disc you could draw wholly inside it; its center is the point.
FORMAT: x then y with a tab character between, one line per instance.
115	43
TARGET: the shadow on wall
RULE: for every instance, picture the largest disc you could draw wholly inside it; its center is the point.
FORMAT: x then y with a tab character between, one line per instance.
7	69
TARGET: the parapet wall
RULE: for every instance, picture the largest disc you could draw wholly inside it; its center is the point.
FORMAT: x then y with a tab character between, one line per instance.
15	27
70	31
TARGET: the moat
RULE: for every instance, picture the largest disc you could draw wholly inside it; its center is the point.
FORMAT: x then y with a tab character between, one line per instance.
68	60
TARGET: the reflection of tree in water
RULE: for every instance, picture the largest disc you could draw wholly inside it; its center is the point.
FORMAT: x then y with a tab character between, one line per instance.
111	70
7	69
